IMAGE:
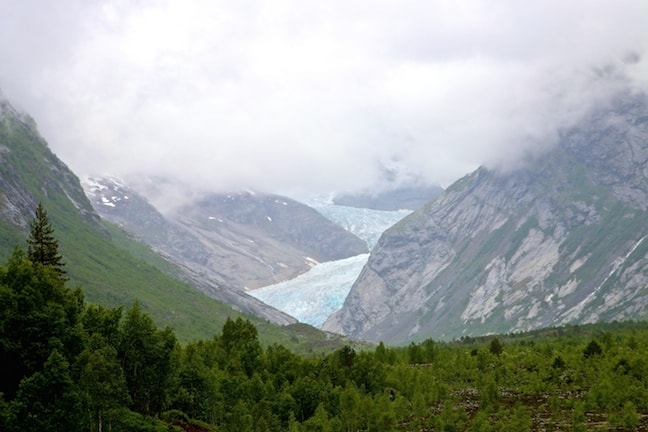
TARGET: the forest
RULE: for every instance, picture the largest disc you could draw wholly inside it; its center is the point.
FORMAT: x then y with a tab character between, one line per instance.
72	366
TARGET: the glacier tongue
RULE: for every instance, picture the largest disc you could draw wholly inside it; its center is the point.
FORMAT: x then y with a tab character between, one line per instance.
315	295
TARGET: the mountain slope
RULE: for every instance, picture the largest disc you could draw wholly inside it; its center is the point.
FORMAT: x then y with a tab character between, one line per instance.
243	240
108	273
558	241
116	202
260	239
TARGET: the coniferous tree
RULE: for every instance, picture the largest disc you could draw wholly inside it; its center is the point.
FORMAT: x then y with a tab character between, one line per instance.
592	349
42	246
496	347
38	314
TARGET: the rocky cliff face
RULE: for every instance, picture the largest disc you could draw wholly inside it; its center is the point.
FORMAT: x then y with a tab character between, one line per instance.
30	172
560	240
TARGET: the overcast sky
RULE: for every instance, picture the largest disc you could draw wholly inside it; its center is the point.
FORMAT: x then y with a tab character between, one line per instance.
298	96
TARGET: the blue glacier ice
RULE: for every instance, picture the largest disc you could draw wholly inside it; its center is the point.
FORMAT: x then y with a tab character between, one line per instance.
315	295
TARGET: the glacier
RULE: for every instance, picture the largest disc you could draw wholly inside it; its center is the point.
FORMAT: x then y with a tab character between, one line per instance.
368	224
313	296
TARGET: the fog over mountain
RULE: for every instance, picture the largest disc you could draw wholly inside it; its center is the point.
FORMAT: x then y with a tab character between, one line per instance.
299	97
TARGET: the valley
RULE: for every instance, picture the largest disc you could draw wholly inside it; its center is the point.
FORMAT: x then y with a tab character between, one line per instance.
557	241
323	216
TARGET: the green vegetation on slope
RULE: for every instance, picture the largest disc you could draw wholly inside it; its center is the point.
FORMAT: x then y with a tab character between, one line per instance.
74	367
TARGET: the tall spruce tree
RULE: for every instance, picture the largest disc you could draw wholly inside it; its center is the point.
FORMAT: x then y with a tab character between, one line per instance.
42	246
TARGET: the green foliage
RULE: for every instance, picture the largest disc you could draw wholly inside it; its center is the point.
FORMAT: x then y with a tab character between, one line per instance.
146	359
38	314
47	400
101	321
42	245
101	380
129	421
592	349
628	418
496	347
76	367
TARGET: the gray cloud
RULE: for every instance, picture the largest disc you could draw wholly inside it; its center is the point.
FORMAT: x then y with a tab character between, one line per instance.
303	97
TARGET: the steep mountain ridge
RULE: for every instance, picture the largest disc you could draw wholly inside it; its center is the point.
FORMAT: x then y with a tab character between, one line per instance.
560	240
30	172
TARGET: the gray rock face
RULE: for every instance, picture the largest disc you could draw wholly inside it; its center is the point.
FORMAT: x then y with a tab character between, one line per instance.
15	201
558	241
281	235
254	240
19	141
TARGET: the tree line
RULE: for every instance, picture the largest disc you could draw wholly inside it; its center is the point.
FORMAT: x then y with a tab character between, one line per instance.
76	367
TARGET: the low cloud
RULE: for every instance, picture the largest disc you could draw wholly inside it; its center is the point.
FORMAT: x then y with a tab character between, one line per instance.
301	97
